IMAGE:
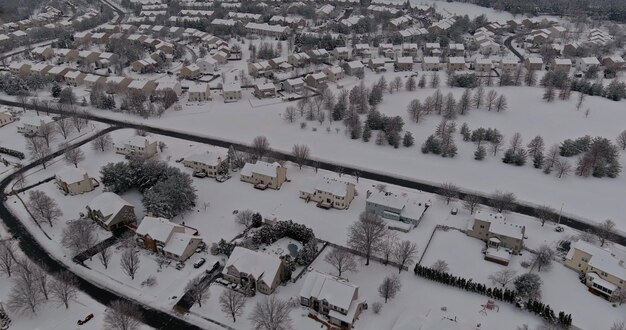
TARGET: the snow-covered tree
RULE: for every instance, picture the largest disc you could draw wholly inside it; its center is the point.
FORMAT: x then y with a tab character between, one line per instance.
122	315
389	288
43	207
342	260
197	291
528	286
271	313
503	277
366	234
129	261
232	303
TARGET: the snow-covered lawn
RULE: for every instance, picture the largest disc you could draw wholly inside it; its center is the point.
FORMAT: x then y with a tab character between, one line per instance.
561	288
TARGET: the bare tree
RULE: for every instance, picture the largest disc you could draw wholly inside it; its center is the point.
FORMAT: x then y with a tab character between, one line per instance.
122	315
291	113
621	140
161	260
619	296
43	207
260	146
47	133
271	313
479	97
388	245
448	192
104	255
440	266
232	302
63	288
301	153
342	260
605	231
472	203
38	149
78	122
366	234
544	213
7	256
618	325
65	127
503	277
245	217
502	202
588	236
130	262
25	296
74	156
543	257
404	254
42	279
78	236
396	84
563	167
390	287
491	99
416	110
102	142
197	291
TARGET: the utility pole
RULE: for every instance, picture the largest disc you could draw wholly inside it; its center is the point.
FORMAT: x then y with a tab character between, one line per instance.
560	211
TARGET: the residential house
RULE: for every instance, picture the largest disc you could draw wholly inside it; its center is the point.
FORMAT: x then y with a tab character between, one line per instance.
508	64
533	63
207	64
40	68
330	193
31	125
111	211
295	85
398	208
221	57
585	63
19	68
254	270
137	146
191	72
6	118
88	57
210	163
376	64
334	297
74	181
561	64
199	92
42	53
354	68
456	49
299	59
146	87
483	65
316	80
92	80
456	63
341	53
572	48
263	90
264	175
614	62
164	237
267	30
432	49
497	232
143	66
603	272
66	55
386	49
166	85
431	63
404	63
334	73
231	92
58	72
410	49
74	78
117	84
259	69
363	50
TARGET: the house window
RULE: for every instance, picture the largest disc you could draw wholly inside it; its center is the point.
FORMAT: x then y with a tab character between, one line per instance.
481	226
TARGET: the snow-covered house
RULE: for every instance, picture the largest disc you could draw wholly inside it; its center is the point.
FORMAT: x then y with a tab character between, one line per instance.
508	64
111	211
6	118
354	68
456	63
145	87
74	181
561	64
533	63
482	65
171	85
42	53
431	63
334	73
497	232
74	78
92	80
341	53
614	62
199	92
604	273
316	80
263	90
207	64
231	92
334	297
30	125
207	162
393	207
376	64
162	236
295	85
404	63
264	175
585	63
19	68
192	71
330	193
137	146
254	270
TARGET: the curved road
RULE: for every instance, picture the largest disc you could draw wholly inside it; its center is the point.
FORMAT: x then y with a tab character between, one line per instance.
521	207
29	245
508	45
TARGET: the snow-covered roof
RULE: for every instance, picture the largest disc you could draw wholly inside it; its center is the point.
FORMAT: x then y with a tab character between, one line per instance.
138	84
509	60
158	229
336	291
255	263
165	85
387	199
332	186
108	204
456	60
507	229
590	61
535	60
36	120
178	243
431	60
265	86
355	64
138	141
405	60
207	158
260	167
73	74
71	174
198	88
484	61
600	259
231	88
562	61
296	81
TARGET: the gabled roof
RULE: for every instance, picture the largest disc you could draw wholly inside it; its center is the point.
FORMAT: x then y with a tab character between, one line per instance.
336	291
158	229
258	264
71	174
108	204
260	167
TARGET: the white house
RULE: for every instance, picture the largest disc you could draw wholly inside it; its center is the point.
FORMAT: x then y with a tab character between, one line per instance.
330	193
34	124
137	145
172	85
264	175
199	92
6	118
74	181
207	162
254	270
583	64
207	64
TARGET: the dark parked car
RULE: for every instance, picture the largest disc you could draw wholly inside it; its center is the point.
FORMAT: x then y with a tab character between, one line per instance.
199	263
85	320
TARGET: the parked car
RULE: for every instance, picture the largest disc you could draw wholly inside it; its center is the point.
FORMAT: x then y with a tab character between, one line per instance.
199	174
180	266
199	263
216	265
180	160
559	229
220	178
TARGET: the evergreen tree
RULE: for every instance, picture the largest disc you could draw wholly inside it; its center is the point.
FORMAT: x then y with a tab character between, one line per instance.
411	85
480	153
422	82
465	132
56	90
432	145
408	140
367	133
